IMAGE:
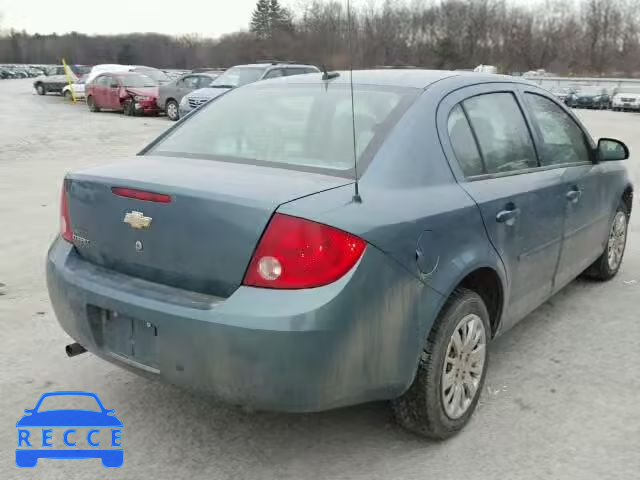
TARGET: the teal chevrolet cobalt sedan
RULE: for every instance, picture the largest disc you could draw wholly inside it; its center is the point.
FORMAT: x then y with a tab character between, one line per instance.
296	245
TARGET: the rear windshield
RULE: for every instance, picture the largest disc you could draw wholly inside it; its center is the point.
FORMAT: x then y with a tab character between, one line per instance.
137	81
307	126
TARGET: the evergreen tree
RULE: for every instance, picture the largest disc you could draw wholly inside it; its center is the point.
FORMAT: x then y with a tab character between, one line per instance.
261	19
269	17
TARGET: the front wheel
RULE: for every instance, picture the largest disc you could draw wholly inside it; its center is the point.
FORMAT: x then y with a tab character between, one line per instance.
91	103
172	110
608	264
67	95
128	108
451	371
40	89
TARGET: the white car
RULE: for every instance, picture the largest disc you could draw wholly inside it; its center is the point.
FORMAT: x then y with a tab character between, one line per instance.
626	98
78	90
107	68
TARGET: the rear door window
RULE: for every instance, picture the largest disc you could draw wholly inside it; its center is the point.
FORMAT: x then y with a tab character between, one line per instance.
501	131
563	141
463	143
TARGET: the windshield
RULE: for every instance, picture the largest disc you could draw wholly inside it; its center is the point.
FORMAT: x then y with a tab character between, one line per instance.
298	125
238	76
635	90
137	81
157	75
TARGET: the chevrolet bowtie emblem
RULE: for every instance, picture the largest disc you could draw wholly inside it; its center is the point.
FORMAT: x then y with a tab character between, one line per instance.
137	220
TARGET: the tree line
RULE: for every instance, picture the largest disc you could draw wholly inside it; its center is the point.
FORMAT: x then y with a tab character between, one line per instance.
585	37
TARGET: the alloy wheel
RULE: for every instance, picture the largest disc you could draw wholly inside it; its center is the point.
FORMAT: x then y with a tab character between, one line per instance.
463	366
617	241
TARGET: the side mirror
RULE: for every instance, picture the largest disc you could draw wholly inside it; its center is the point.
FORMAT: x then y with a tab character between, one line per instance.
612	150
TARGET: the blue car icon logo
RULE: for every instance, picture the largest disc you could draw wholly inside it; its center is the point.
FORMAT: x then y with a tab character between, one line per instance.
47	431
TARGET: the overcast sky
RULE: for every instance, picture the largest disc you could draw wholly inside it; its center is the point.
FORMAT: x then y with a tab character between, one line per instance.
209	18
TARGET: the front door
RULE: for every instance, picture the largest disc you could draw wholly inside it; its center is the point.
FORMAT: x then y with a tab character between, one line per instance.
564	143
522	205
113	94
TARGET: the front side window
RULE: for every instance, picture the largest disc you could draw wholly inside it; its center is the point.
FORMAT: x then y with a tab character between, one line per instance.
189	82
275	73
562	140
297	125
463	143
503	136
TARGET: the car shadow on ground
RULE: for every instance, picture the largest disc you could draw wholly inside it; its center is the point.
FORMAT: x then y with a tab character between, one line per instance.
275	439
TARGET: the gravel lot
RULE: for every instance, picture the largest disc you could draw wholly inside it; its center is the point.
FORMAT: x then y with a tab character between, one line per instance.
560	399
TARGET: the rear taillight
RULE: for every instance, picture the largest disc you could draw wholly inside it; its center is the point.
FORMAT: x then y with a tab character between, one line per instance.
297	253
66	231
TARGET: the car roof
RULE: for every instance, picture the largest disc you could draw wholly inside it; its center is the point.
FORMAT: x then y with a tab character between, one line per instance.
411	78
275	64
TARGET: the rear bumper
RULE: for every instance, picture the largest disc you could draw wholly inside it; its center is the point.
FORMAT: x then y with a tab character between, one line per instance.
353	341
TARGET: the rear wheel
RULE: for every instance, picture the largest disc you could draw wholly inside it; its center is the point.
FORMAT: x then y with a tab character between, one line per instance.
40	89
172	110
451	372
608	264
91	103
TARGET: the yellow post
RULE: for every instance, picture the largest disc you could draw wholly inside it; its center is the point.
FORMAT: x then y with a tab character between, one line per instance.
68	72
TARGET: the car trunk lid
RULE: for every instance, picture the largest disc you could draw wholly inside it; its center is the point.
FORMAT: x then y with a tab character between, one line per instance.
203	238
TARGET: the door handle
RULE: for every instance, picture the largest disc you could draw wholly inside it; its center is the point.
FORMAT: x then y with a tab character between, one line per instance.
574	194
509	215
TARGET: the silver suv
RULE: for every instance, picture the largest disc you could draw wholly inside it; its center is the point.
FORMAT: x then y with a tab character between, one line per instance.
238	76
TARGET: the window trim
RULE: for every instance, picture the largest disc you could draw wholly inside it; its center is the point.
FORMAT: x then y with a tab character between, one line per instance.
540	138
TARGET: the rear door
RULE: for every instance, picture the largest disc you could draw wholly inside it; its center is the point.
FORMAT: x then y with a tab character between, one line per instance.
522	204
565	145
99	91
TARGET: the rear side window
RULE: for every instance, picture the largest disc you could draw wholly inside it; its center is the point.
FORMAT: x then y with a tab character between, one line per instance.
563	141
502	133
464	145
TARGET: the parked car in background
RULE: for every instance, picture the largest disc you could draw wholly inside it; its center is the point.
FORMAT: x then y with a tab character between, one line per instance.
562	93
106	68
56	78
238	76
237	247
129	92
170	94
589	97
626	98
78	90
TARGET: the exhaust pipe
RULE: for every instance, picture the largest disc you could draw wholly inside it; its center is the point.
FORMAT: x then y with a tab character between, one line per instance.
74	349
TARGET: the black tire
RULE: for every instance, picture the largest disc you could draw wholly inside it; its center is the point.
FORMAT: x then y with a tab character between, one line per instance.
420	409
92	104
601	269
40	89
172	110
128	108
67	95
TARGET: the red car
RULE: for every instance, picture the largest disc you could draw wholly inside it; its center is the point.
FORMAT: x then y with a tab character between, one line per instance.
131	92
